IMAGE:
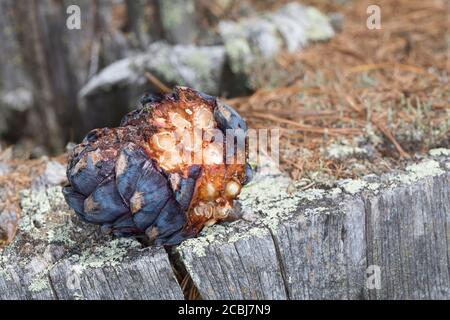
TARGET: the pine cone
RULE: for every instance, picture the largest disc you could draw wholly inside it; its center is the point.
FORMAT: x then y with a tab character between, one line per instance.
140	179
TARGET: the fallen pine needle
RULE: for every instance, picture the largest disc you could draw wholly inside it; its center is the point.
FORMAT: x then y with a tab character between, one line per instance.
390	136
157	83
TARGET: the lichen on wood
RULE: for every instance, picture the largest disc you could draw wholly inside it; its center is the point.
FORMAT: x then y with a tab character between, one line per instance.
316	246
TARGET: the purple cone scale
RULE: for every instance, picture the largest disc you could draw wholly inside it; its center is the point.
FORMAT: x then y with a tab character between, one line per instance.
139	179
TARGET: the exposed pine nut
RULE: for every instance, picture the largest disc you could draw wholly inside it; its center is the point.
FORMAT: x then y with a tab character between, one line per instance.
203	119
211	190
221	213
232	189
170	159
192	141
164	141
178	120
205	210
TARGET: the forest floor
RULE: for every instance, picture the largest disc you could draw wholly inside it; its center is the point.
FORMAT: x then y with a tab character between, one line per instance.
363	101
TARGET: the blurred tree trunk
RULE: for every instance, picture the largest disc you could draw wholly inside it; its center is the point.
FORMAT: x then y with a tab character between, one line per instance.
44	53
58	61
15	87
179	20
143	22
53	63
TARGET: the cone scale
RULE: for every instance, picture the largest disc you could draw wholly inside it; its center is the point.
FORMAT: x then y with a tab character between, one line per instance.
162	174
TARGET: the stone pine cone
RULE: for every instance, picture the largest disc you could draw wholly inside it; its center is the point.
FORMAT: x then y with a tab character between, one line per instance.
135	180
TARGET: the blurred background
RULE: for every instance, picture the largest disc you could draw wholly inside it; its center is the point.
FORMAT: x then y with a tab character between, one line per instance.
316	69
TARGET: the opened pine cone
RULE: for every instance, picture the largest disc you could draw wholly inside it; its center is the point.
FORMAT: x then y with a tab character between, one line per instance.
142	179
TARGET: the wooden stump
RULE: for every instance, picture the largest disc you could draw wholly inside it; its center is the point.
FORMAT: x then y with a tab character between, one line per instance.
55	256
321	243
310	244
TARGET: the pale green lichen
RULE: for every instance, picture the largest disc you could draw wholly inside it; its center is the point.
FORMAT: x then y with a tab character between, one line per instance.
334	193
185	65
45	216
271	199
39	283
340	151
239	54
40	280
167	72
78	296
424	169
198	245
220	234
255	232
354	186
315	211
3	267
311	194
173	12
318	26
374	186
252	39
110	254
201	64
63	233
37	204
439	152
321	178
34	207
5	274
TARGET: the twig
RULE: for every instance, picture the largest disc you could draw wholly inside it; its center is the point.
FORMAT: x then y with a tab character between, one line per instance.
306	128
390	136
157	83
375	66
307	186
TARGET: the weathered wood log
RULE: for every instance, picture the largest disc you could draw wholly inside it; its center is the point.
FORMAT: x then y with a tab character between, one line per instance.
305	244
46	234
179	20
240	263
117	269
407	236
48	62
303	231
44	55
143	22
292	27
55	256
326	240
15	87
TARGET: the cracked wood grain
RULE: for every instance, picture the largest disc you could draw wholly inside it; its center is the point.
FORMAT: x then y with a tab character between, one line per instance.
55	256
322	249
407	236
316	244
320	262
236	268
143	275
